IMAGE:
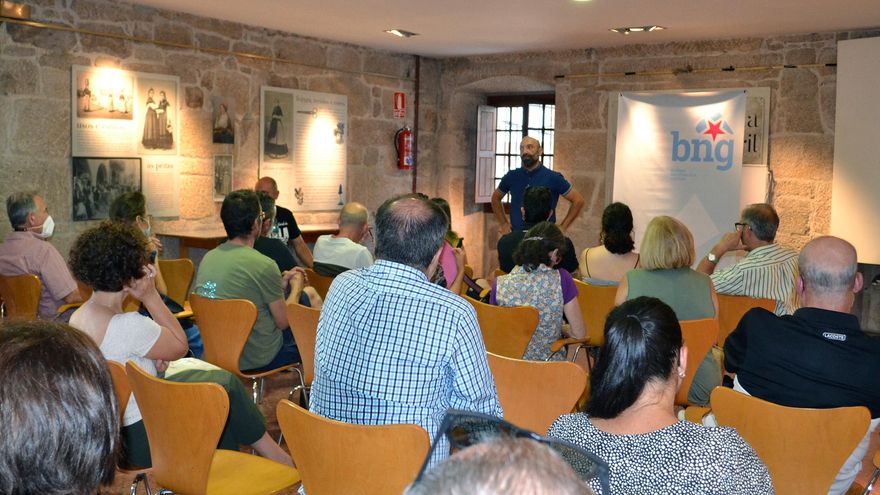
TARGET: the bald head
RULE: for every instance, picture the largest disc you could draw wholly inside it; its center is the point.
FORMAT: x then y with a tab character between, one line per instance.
353	215
268	186
530	152
828	264
409	230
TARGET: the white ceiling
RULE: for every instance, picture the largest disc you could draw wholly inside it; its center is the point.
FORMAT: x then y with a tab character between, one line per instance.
470	27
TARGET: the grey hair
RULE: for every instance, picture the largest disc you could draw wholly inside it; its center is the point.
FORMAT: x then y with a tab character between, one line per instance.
762	219
18	206
825	277
503	466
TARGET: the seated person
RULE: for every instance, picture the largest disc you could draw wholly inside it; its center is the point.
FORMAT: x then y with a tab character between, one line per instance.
534	282
235	270
608	262
450	269
343	250
537	207
505	466
28	251
113	260
630	419
666	259
59	422
131	208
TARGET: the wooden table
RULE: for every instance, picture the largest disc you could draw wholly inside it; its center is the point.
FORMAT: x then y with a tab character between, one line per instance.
212	237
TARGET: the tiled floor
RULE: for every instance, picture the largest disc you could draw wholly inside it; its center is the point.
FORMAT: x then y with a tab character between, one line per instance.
278	386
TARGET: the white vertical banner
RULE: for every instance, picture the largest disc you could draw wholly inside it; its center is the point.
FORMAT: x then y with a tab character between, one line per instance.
681	155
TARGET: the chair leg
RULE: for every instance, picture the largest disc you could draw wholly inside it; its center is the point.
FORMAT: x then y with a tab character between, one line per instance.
870	485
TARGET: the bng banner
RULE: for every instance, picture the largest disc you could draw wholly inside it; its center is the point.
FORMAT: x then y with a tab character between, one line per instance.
680	154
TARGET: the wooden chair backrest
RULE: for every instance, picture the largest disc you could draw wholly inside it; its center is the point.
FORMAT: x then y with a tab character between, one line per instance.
596	301
803	448
225	325
178	275
498	272
184	422
699	337
506	330
320	283
374	459
534	393
121	387
732	308
21	296
304	325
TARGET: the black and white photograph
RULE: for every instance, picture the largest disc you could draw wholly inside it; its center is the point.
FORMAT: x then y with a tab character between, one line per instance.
104	94
98	181
224	120
277	126
157	110
222	176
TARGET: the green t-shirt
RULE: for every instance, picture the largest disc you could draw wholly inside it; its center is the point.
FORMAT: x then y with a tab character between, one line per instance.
231	271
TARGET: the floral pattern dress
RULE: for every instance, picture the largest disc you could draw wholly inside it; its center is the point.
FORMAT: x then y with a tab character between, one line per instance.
542	289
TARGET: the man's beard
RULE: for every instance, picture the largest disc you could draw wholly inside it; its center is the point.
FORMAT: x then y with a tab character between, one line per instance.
528	160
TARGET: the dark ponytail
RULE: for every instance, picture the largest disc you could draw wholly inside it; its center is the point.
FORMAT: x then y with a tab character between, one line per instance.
617	226
536	246
642	343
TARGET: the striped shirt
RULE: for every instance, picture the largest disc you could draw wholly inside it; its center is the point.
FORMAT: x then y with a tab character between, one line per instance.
394	348
767	272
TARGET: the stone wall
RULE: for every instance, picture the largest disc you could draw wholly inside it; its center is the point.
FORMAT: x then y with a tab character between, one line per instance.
35	93
801	128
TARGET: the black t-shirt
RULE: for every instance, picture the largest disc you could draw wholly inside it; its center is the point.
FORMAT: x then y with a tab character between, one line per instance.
508	243
814	358
286	226
277	251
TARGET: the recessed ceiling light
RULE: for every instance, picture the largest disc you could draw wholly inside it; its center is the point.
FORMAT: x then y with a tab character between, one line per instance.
401	33
637	29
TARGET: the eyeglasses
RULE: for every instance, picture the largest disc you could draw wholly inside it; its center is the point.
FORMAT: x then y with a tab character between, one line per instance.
262	216
740	226
464	428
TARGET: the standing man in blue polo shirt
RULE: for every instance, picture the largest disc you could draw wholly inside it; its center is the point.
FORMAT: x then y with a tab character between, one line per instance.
533	173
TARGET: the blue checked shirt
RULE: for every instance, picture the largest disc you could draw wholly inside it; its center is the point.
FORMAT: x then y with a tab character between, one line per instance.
394	348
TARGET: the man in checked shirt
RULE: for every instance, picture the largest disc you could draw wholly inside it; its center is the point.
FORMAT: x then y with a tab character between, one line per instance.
394	348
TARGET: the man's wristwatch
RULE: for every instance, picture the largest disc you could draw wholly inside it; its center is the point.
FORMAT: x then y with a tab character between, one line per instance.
712	258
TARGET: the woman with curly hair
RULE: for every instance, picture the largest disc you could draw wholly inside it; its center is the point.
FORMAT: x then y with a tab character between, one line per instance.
535	282
113	260
608	262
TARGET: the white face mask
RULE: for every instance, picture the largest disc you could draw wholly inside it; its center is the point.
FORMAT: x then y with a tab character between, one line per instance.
48	228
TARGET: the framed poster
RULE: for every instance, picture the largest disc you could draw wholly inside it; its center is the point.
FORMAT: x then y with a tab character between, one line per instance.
224	120
222	176
157	114
102	112
96	182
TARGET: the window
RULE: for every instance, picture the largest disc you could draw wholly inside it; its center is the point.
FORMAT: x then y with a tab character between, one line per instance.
502	125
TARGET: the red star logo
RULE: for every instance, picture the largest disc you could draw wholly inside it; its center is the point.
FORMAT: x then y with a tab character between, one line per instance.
714	130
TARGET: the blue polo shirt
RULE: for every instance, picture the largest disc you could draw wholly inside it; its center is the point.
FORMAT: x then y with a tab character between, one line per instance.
517	180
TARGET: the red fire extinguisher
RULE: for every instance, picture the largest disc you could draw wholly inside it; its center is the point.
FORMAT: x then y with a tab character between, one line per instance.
403	144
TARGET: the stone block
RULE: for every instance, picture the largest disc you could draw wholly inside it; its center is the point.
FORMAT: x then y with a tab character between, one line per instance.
211	41
55	83
794	214
146	53
800	56
799	83
799	115
804	157
49	39
359	102
227	29
579	152
178	34
113	12
195	166
196	196
828	106
11	50
283	82
301	51
196	126
585	110
42	128
99	44
18	77
799	188
233	85
344	57
194	97
388	64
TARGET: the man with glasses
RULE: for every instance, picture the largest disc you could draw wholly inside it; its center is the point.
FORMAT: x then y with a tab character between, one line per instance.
344	249
26	251
768	271
235	270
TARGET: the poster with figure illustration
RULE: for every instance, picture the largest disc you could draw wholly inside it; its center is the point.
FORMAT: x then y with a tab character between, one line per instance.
102	117
157	114
304	139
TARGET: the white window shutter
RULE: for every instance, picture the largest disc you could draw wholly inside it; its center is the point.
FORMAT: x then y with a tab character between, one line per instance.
484	179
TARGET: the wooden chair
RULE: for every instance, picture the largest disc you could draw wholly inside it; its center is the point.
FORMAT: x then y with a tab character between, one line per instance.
320	283
225	325
184	422
21	296
533	393
596	301
335	457
304	324
732	308
178	275
122	390
803	448
506	330
498	272
699	337
870	486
